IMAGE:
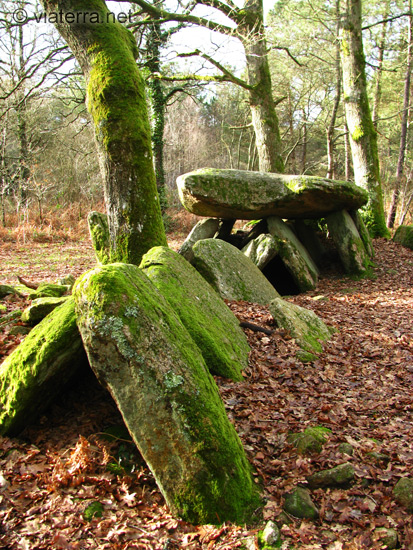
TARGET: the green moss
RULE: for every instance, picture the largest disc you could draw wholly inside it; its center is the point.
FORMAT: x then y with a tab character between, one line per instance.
117	103
99	233
209	321
358	133
167	397
298	503
345	47
41	307
311	440
404	236
48	290
32	376
303	325
231	273
93	510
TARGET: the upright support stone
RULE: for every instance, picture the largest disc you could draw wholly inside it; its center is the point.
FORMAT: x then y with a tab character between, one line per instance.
350	247
295	257
310	240
37	370
139	349
404	236
204	229
99	234
363	232
262	250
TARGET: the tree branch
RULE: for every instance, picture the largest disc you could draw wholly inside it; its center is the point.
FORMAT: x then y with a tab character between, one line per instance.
230	77
164	16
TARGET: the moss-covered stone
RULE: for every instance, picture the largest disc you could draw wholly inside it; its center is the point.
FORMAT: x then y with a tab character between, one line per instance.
231	273
19	330
295	257
68	281
346	448
298	503
363	232
37	370
261	250
387	538
350	247
404	236
48	290
250	195
39	308
403	492
342	474
303	325
311	440
308	236
270	537
140	350
212	325
99	234
204	229
5	290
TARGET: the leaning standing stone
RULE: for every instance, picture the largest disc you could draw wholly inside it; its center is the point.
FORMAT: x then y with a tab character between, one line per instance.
212	325
204	229
37	370
231	273
139	349
350	247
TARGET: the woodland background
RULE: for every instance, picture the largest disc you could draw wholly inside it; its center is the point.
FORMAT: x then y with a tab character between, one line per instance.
49	174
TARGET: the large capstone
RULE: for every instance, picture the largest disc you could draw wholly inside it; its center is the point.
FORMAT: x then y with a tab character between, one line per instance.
251	195
231	273
140	350
212	325
39	368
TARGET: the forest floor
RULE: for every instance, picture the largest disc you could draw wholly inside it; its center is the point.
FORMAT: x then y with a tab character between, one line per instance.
62	469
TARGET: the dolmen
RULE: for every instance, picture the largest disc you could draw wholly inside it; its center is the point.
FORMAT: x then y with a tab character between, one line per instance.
286	211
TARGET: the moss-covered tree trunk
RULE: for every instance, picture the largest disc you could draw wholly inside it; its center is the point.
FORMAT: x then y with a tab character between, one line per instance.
264	117
363	136
106	52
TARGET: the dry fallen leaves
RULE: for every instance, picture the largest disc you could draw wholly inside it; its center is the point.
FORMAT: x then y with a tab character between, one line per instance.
359	387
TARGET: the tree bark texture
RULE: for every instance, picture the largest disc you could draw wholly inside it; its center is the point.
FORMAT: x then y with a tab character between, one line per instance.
106	52
363	136
264	117
403	134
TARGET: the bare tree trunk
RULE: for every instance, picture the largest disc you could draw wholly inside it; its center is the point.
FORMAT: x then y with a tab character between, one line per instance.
305	139
363	136
264	117
106	52
403	134
331	172
347	153
379	71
